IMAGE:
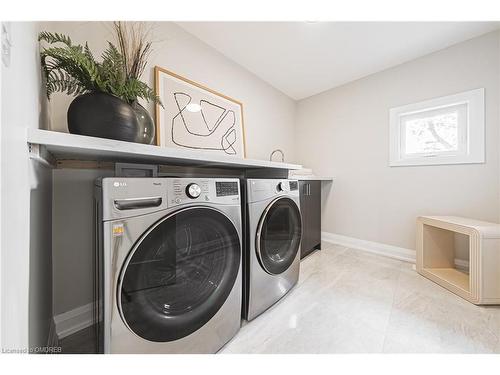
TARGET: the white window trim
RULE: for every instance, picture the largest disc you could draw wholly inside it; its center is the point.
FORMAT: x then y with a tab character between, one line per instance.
475	128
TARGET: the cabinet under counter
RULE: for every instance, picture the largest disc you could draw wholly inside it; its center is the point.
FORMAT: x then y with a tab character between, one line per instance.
310	208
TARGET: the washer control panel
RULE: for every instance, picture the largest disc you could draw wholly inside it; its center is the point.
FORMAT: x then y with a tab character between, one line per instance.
130	196
193	190
225	188
190	190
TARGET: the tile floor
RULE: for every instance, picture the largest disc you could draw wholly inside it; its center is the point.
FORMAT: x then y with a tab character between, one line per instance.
349	301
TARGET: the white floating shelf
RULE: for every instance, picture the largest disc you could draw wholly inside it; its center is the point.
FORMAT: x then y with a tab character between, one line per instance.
64	146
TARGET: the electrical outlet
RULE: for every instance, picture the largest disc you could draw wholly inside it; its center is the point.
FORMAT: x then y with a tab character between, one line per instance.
6	43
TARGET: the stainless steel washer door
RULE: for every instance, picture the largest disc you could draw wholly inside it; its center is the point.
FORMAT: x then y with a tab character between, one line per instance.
179	274
278	235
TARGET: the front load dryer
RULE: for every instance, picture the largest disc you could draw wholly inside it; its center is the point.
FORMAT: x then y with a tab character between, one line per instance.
273	242
169	257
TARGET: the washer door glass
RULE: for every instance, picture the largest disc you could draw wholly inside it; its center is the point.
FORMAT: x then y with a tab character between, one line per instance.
278	238
179	274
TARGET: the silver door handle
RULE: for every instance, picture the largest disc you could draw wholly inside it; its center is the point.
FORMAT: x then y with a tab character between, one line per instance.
133	203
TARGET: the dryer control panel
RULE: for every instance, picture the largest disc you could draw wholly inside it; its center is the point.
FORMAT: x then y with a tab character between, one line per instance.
262	189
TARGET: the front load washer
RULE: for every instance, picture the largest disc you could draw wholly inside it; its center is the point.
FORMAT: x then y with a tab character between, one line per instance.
169	264
273	242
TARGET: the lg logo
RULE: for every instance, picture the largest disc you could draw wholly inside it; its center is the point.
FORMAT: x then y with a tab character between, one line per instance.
119	184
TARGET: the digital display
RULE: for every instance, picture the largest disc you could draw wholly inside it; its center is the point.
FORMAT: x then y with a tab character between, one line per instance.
293	185
223	189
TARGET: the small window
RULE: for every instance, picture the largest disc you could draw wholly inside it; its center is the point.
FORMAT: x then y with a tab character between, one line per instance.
446	130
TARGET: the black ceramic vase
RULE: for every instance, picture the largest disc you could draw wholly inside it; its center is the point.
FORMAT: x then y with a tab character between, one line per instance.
146	124
102	115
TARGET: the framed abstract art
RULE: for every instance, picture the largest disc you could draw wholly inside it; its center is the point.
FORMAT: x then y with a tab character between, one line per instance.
196	117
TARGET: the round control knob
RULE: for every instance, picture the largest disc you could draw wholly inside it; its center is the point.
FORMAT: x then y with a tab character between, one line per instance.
283	186
193	190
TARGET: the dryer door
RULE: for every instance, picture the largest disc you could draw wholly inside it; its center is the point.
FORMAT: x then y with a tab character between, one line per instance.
278	235
179	274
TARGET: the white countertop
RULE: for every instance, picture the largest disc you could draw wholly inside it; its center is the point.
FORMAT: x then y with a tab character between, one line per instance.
71	146
306	174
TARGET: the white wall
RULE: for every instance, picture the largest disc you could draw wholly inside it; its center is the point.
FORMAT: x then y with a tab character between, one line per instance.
343	133
26	286
40	255
268	113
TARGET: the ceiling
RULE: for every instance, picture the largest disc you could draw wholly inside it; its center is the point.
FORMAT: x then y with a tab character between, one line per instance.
305	58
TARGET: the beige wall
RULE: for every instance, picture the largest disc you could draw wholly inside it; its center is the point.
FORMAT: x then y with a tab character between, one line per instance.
269	122
343	133
268	113
72	244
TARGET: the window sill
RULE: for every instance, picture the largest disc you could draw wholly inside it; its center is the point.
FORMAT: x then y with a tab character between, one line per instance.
438	160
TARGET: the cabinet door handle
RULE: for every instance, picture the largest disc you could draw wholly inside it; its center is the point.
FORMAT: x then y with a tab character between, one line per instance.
308	189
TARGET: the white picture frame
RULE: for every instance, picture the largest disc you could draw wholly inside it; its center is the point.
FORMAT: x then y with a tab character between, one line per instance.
196	117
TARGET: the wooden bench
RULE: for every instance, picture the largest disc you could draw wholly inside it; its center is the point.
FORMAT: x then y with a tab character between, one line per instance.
436	256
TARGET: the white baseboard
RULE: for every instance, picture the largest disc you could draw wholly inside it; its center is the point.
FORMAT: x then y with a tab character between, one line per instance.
74	320
401	253
461	264
390	251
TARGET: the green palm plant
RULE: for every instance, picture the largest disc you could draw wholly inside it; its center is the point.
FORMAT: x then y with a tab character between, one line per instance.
72	69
